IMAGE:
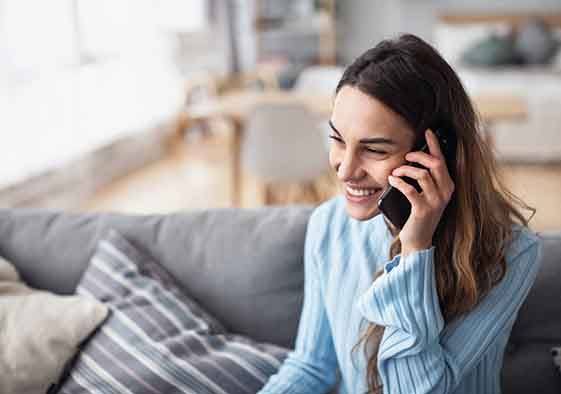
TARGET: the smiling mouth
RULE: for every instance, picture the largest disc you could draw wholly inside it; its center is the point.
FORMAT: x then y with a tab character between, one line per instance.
361	193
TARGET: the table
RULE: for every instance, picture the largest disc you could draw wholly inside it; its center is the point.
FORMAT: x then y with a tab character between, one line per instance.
237	106
499	107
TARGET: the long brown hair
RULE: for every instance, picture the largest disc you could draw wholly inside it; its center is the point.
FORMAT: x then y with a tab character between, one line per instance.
411	78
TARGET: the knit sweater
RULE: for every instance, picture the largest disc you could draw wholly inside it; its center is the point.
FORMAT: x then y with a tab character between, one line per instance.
418	352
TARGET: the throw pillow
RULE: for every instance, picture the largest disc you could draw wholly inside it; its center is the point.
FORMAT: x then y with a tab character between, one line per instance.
494	50
535	42
40	332
452	39
157	339
556	353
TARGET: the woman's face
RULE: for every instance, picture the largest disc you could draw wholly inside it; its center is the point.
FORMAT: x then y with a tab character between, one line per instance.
368	140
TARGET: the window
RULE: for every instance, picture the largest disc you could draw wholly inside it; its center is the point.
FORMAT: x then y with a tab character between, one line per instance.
75	74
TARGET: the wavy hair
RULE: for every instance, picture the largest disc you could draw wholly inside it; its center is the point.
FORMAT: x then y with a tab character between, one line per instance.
410	77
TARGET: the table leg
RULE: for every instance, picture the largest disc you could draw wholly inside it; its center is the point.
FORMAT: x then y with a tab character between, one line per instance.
236	174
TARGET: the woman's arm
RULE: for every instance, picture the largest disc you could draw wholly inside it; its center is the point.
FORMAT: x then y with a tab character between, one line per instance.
312	366
415	354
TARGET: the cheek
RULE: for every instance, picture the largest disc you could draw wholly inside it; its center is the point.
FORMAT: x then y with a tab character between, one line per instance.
381	169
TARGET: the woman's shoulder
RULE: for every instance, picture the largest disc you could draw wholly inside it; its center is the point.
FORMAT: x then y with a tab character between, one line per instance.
523	241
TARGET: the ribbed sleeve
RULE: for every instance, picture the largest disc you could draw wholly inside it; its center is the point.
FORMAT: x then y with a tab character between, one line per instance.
417	355
312	366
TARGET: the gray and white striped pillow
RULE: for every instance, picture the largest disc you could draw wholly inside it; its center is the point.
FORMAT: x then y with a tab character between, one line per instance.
156	339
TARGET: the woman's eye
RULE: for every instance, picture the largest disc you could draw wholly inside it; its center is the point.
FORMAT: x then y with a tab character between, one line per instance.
376	151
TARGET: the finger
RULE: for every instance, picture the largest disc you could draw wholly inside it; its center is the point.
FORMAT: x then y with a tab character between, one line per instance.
437	167
424	158
422	176
409	191
433	143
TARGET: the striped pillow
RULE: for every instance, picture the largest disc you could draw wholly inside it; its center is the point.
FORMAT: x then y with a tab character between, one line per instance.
156	339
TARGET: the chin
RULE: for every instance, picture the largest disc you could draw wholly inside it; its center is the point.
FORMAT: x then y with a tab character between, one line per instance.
361	213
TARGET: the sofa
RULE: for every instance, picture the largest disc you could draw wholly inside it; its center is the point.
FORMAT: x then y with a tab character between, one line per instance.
245	267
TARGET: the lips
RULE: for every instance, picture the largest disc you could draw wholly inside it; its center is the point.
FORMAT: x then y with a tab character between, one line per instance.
365	198
361	187
355	190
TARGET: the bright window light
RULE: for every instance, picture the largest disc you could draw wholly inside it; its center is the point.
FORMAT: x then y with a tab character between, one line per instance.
55	106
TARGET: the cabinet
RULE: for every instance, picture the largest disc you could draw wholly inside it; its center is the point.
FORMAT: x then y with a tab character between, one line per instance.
300	32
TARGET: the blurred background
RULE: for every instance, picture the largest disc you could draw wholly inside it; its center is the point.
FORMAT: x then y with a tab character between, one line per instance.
145	106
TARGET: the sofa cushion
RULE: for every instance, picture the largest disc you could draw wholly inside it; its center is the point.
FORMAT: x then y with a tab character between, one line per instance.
243	266
156	339
539	318
527	363
556	353
527	368
39	332
494	50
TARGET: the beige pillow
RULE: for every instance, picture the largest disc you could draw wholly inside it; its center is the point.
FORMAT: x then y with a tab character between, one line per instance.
39	332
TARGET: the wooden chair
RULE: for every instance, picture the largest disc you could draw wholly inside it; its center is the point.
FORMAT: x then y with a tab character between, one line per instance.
283	155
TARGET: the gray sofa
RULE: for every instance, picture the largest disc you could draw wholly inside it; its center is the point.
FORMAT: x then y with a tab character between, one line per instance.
245	267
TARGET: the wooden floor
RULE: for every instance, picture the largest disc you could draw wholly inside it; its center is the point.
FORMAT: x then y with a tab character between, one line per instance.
196	176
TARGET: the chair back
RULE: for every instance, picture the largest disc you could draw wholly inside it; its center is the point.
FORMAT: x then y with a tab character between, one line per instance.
282	142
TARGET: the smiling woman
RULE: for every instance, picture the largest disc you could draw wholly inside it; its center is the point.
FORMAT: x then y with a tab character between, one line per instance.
440	294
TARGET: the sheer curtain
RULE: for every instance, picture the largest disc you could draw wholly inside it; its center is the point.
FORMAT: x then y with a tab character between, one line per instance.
75	74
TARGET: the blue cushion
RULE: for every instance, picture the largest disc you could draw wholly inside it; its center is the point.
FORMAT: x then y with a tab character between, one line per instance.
492	51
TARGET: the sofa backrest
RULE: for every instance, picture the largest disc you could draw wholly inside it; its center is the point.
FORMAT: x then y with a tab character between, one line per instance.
243	266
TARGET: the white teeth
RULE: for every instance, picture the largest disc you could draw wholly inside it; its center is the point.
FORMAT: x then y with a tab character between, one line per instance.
360	192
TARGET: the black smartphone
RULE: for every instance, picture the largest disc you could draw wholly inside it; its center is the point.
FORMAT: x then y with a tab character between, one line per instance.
393	203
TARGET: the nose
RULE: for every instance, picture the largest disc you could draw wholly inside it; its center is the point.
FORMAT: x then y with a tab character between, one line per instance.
349	168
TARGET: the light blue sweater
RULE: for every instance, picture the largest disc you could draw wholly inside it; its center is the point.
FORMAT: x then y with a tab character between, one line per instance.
418	353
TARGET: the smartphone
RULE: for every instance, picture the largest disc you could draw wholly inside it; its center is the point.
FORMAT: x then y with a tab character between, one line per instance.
393	203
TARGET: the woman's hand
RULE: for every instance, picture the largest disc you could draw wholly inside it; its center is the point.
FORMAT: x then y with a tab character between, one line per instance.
428	205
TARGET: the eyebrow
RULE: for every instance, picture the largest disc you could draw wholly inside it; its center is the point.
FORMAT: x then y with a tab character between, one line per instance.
377	140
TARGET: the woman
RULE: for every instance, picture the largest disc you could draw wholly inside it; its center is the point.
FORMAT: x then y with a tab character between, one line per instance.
431	304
